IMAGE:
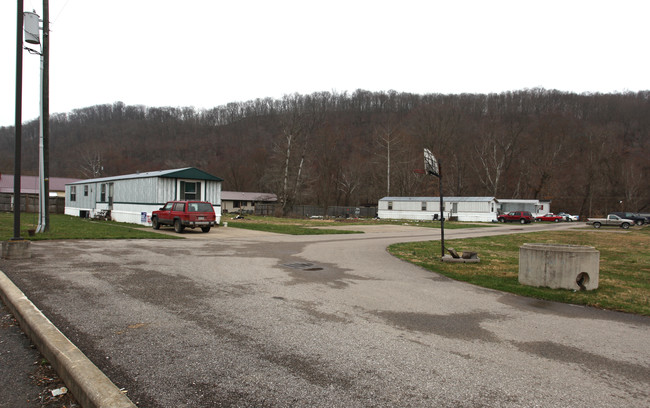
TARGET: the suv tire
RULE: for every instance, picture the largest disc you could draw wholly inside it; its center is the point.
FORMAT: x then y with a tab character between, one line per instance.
154	223
523	221
178	227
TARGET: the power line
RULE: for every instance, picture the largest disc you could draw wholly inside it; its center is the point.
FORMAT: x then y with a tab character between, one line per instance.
59	13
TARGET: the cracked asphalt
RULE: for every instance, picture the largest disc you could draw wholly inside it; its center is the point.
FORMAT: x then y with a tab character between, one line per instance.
238	318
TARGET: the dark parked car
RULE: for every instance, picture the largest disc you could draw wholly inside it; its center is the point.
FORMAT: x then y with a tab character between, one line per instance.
522	217
637	218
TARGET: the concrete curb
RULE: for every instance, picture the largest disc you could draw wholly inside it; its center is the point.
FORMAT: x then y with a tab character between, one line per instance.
87	383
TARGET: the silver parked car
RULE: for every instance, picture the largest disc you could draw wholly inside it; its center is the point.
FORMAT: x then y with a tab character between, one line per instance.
569	217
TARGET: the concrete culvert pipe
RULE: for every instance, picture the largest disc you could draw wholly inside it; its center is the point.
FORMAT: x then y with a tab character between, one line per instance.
556	266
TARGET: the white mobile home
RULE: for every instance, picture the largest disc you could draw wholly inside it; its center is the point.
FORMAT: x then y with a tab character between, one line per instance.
132	197
428	208
536	207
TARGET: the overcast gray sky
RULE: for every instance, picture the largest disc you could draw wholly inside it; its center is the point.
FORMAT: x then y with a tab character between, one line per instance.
205	53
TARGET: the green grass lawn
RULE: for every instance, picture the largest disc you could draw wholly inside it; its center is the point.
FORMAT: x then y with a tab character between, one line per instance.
68	227
287	228
624	276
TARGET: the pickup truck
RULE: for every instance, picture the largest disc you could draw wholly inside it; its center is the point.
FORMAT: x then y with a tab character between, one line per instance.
181	214
637	218
611	220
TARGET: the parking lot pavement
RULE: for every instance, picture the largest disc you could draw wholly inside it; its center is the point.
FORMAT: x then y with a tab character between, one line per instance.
329	321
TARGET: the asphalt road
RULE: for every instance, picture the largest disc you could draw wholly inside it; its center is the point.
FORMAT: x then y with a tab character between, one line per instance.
241	318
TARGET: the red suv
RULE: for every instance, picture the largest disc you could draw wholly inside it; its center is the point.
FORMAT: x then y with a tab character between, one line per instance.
183	214
523	217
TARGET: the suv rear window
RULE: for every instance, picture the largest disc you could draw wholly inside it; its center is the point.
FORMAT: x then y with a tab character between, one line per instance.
200	207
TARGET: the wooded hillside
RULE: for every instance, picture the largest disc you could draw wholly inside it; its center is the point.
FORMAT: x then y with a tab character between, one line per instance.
587	153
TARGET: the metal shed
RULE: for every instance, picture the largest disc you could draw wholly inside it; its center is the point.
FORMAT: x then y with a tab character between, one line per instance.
428	208
132	197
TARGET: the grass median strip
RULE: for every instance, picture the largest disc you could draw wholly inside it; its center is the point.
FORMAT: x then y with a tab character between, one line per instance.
318	226
624	276
290	229
68	227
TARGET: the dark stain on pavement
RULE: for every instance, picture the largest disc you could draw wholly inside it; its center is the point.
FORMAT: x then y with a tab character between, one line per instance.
589	361
464	326
309	369
305	272
311	308
571	311
205	394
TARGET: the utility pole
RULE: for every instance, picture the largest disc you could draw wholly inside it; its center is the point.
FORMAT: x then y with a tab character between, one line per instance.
18	123
45	113
43	148
442	214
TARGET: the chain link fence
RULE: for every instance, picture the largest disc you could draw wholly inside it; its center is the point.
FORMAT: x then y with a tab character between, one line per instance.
312	211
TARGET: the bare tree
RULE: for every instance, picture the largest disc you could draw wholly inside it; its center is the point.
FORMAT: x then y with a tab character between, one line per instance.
596	143
495	151
388	138
91	164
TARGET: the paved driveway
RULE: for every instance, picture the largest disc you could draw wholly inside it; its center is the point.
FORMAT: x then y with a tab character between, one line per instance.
241	318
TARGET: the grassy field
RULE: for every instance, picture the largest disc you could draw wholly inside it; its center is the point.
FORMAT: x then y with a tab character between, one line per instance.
624	277
68	227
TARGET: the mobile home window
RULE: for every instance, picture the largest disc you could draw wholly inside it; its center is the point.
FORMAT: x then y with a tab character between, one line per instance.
424	206
390	205
73	193
85	191
190	190
102	194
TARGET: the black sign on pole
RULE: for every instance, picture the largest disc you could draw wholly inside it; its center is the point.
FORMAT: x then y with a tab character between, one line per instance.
433	168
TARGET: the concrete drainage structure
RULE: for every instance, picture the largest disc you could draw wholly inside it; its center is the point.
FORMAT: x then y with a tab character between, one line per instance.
557	266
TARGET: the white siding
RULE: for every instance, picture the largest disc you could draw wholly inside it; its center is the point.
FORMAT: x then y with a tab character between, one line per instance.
213	193
142	190
166	190
480	209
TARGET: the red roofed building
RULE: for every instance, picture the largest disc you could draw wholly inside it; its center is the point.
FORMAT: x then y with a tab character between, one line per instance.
29	192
